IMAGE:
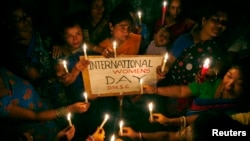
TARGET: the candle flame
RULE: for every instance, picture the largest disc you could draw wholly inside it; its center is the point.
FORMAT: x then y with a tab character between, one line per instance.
121	124
166	57
85	96
141	81
114	44
64	63
84	47
113	137
139	14
150	106
106	117
206	63
165	3
69	116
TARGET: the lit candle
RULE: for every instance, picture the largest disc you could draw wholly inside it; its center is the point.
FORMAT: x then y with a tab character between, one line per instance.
104	121
113	137
164	10
121	125
86	97
164	62
205	67
65	66
139	16
85	51
150	107
114	48
69	119
141	82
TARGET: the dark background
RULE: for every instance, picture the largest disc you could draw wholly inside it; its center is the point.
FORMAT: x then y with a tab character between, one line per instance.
47	13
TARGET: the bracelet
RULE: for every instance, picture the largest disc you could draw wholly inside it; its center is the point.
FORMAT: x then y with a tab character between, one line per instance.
140	136
183	122
60	112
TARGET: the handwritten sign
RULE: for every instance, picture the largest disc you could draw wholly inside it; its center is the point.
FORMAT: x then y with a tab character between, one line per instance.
119	76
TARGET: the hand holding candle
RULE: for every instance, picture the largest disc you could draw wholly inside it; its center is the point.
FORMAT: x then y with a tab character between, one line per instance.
150	107
164	10
86	97
205	67
114	48
65	66
69	119
85	51
104	121
164	62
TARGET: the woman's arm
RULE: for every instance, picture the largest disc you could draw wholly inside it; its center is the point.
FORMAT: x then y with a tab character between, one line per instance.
20	113
182	91
68	78
150	136
182	121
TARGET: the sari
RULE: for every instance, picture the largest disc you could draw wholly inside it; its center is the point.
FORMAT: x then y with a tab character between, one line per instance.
129	47
199	105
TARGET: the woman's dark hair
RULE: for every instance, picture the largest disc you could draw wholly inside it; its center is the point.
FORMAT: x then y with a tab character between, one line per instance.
69	20
209	9
243	65
89	3
120	13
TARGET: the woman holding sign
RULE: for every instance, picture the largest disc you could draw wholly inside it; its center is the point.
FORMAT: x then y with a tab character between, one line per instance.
69	74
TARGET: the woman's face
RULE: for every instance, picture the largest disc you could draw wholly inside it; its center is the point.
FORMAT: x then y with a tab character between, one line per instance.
233	82
20	21
215	25
175	8
97	9
73	36
161	38
121	30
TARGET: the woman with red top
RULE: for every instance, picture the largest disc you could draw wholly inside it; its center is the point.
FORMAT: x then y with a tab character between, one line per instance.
177	22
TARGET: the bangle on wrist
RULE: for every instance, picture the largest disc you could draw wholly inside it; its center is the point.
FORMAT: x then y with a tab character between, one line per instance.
183	122
60	112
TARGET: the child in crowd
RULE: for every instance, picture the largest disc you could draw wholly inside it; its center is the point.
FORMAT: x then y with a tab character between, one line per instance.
161	42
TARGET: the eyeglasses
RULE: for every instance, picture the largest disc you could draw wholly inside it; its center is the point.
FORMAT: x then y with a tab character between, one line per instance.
217	20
